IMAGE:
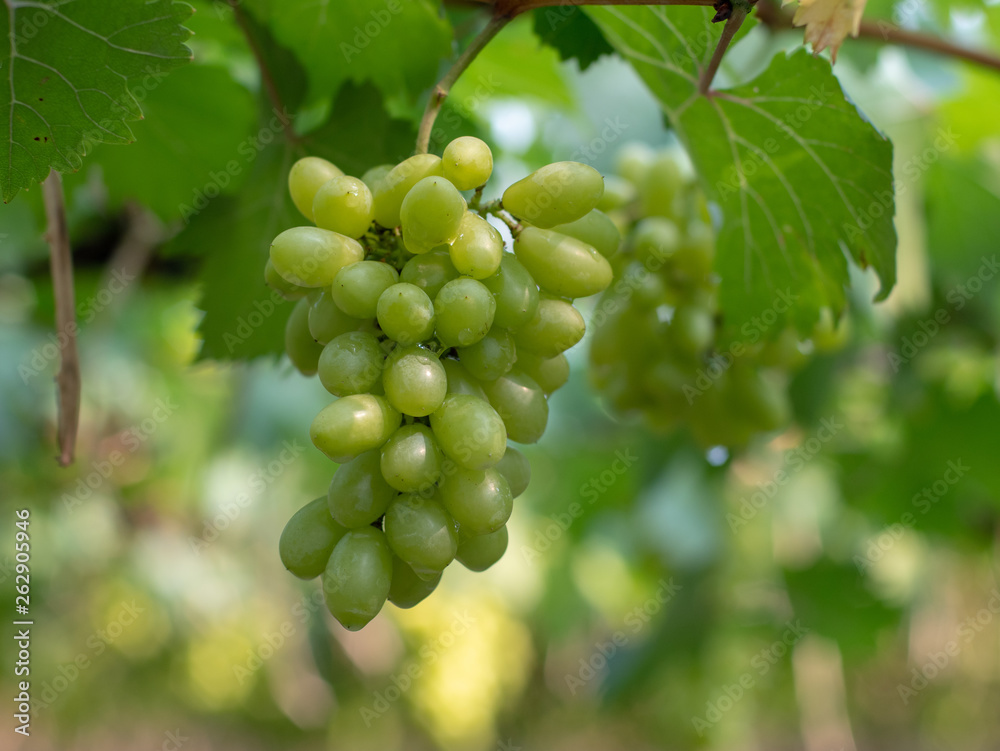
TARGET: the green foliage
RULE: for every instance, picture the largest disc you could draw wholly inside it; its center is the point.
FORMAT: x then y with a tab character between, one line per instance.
571	32
75	71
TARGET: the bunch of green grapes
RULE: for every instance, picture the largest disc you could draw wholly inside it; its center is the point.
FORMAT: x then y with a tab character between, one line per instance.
657	346
440	346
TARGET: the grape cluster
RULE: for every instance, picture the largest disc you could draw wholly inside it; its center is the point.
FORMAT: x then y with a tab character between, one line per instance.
657	347
441	346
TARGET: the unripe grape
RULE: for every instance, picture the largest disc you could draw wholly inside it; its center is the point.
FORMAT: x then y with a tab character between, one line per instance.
411	459
655	239
464	309
305	178
477	248
358	494
515	292
549	373
391	191
407	589
633	161
357	288
469	431
562	265
555	327
516	470
279	284
430	271
421	533
311	257
308	539
415	381
594	229
352	425
351	363
661	185
374	177
431	214
302	349
467	162
555	194
357	577
405	313
479	552
460	381
491	356
344	205
327	321
618	193
521	405
479	500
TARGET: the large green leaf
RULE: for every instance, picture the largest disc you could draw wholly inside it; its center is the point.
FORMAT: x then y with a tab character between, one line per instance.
569	30
395	44
800	175
75	72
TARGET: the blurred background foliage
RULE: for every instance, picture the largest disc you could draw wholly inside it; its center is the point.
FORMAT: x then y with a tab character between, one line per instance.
800	593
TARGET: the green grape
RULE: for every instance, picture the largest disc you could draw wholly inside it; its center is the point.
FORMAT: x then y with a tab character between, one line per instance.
479	500
357	577
654	240
344	205
407	589
515	291
692	328
661	186
491	356
596	230
327	321
551	374
392	189
358	493
411	459
555	327
405	313
308	539
431	214
697	251
479	552
464	309
277	282
618	193
467	162
430	271
421	533
415	381
521	404
373	177
555	194
633	161
302	349
649	289
305	178
477	247
311	257
352	425
357	288
351	363
460	381
562	265
516	470
469	431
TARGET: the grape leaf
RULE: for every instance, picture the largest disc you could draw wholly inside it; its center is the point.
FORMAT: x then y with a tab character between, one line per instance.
73	71
800	175
395	44
571	33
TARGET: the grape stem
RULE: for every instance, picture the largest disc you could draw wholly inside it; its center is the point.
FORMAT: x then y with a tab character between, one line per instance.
496	209
61	261
734	21
443	87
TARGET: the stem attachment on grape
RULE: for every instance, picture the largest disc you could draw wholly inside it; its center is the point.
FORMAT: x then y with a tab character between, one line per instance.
61	261
443	87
